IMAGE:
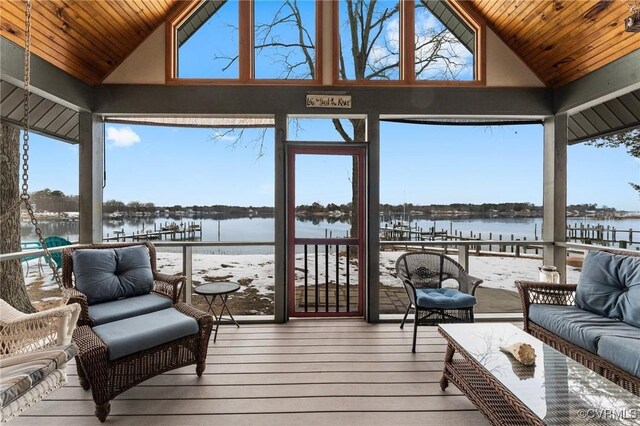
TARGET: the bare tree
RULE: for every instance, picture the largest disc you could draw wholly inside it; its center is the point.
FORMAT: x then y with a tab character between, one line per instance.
12	287
629	139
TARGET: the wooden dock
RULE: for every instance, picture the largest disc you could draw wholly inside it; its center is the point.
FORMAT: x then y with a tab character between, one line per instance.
169	232
586	234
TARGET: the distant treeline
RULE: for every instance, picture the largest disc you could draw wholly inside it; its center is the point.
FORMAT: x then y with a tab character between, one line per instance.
489	209
57	201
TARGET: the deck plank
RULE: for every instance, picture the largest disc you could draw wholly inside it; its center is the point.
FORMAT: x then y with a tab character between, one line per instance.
311	372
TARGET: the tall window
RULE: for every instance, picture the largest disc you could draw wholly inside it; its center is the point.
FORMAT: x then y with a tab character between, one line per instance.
369	40
284	39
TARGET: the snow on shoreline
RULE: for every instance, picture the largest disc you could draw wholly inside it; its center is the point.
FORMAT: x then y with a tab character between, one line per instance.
257	270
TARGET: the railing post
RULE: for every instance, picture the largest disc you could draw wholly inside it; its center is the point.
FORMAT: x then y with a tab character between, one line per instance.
463	256
187	271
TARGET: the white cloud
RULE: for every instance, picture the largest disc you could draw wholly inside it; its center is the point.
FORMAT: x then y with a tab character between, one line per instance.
124	136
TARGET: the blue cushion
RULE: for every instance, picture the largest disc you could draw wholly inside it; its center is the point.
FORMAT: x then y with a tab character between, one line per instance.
95	275
609	285
623	352
131	335
134	270
580	327
104	275
443	298
115	310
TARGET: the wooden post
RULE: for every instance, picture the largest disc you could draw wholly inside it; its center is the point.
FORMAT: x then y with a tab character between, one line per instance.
187	271
91	150
463	256
555	192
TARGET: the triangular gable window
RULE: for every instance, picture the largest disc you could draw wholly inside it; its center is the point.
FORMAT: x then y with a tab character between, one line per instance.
207	42
445	44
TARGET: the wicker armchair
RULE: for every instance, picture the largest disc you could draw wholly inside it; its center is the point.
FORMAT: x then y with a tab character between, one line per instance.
35	349
153	342
422	275
164	285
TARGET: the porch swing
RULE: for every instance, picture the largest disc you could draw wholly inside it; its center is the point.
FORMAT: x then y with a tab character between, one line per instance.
34	348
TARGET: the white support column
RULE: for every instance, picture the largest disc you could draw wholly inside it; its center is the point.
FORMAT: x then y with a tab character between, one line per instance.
554	220
91	170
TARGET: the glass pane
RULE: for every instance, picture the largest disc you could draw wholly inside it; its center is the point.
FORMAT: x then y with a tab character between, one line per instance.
369	40
284	39
419	201
324	196
445	44
327	129
208	42
602	202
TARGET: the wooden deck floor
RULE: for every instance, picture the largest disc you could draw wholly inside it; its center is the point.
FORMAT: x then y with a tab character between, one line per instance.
306	372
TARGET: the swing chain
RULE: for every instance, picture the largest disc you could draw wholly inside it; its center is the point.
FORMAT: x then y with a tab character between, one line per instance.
25	197
27	93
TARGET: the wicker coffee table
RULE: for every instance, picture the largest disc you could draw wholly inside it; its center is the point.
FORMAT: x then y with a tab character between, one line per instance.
554	391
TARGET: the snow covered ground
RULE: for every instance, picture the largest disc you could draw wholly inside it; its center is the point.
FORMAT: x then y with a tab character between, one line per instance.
257	271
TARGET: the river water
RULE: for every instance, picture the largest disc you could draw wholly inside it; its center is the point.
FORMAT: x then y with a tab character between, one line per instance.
262	229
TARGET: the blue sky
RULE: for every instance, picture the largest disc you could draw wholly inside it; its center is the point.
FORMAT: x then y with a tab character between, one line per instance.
419	164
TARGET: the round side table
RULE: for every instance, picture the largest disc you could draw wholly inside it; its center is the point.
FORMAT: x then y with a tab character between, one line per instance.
210	292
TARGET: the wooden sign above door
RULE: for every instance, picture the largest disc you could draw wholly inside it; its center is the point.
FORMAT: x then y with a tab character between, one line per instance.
328	101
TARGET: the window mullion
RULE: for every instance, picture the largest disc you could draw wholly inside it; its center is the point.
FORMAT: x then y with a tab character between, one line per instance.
245	36
408	42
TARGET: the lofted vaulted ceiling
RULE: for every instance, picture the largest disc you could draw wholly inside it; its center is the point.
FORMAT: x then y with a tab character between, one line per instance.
560	40
86	38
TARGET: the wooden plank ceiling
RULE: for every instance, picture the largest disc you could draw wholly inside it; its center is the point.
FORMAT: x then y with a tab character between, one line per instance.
561	40
87	39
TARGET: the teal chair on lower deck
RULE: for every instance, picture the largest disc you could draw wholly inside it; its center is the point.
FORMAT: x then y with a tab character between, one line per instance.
55	241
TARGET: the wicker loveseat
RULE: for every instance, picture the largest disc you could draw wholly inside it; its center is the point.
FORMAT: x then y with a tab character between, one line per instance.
35	349
132	328
597	321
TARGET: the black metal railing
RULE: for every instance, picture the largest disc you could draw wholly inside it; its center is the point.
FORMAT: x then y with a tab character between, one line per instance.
330	276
